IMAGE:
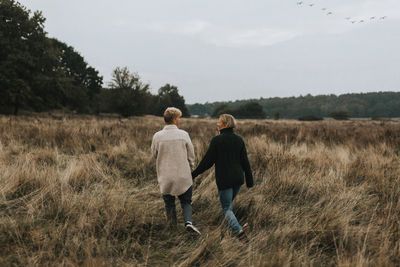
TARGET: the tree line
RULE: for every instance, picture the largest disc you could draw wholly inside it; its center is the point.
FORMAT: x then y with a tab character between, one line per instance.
362	105
129	96
247	110
38	73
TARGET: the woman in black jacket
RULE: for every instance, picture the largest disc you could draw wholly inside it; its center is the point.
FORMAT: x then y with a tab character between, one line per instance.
228	152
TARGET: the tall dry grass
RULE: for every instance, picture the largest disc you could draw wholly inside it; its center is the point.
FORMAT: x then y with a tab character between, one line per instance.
83	191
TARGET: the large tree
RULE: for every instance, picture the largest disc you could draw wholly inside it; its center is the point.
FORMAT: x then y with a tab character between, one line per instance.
81	81
22	49
168	96
130	96
39	73
250	110
222	109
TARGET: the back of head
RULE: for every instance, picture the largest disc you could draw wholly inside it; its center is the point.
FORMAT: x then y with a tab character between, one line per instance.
170	114
228	120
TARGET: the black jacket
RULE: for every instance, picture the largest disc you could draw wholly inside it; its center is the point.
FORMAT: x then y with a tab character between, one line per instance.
228	152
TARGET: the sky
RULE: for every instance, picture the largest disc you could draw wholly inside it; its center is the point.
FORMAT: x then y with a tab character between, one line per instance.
223	50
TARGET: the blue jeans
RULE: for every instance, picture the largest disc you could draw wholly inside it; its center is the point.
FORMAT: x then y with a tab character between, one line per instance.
226	198
186	204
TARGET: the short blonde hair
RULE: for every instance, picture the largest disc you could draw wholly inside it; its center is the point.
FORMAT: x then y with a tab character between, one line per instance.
228	120
171	113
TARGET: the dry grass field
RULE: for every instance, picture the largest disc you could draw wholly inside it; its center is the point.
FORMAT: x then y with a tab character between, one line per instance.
83	191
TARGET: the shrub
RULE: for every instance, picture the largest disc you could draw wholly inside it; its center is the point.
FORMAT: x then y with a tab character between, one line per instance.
310	118
340	115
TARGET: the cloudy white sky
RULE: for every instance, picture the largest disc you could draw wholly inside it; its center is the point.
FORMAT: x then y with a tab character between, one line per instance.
236	49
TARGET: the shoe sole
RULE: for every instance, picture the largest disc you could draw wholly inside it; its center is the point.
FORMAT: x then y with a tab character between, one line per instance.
191	230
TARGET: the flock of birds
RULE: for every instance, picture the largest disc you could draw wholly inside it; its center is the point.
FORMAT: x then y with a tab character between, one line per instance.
350	19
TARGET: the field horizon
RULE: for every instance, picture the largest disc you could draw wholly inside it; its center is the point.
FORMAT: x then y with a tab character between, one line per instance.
82	190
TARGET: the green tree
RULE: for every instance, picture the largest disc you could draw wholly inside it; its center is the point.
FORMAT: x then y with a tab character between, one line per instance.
81	82
168	96
38	73
47	84
251	110
222	109
22	45
130	96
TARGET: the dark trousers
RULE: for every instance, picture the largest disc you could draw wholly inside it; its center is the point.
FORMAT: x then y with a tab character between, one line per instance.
186	204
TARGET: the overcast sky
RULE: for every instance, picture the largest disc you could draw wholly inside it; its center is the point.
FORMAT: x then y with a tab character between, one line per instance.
217	50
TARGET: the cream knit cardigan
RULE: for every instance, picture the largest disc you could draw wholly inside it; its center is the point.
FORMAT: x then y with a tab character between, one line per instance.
175	160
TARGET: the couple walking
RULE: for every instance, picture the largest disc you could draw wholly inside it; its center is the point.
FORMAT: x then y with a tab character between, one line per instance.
175	163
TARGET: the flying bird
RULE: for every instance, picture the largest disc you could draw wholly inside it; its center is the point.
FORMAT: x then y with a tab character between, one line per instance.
300	3
311	5
348	18
372	18
361	21
384	17
353	21
323	9
329	13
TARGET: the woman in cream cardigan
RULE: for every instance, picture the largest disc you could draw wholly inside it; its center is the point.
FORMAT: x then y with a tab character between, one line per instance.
174	154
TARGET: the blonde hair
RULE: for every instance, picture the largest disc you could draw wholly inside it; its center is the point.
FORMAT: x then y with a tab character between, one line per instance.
171	113
228	120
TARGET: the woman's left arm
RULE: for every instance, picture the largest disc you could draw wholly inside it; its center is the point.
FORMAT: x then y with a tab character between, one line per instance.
207	161
244	160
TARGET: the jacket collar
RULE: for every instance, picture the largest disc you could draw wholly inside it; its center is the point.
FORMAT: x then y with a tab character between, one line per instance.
226	130
170	127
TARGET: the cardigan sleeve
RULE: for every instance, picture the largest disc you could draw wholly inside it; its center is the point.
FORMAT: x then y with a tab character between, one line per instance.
154	147
207	161
190	153
244	161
